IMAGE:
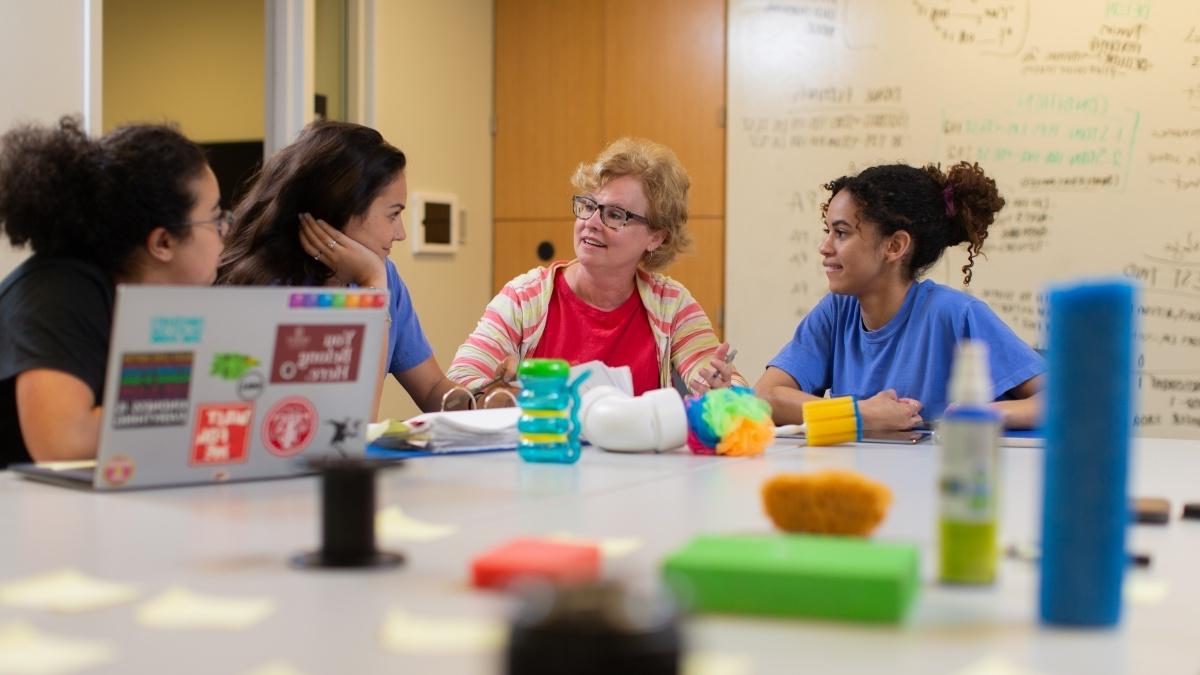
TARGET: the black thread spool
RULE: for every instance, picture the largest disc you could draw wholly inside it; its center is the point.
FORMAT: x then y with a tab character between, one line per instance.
593	629
347	518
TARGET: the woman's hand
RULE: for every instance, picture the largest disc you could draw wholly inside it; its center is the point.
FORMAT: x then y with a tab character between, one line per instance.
885	412
350	261
719	374
505	380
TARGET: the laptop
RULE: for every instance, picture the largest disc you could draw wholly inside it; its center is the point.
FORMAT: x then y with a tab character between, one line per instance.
214	384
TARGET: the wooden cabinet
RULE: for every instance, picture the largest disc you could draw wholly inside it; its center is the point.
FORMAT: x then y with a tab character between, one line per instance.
573	75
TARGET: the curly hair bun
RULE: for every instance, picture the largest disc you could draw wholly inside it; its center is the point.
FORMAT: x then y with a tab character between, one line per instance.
50	178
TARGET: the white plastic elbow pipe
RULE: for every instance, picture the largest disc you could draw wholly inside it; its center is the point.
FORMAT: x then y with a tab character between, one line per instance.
653	422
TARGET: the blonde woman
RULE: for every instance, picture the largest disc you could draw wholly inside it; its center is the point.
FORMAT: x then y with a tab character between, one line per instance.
609	303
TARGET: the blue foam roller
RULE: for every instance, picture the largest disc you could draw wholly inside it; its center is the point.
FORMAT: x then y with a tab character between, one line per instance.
1089	422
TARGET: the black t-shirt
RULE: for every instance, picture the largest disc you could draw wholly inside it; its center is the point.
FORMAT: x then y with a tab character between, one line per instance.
54	313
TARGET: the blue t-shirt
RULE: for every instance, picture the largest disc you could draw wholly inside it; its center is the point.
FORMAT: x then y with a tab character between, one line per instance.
407	346
912	353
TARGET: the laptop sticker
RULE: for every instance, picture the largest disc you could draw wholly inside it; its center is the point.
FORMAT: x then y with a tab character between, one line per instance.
154	389
231	365
176	329
250	386
222	434
316	353
289	426
118	470
345	429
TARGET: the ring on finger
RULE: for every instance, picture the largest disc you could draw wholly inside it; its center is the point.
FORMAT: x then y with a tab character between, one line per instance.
332	243
317	257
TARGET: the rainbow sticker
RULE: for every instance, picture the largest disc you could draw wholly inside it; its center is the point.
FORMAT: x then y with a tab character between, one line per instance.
337	300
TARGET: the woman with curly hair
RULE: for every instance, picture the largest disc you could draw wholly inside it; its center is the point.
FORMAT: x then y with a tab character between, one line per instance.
609	304
881	335
138	206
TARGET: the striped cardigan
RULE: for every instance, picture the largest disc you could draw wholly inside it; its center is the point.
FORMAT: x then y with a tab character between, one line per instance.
515	319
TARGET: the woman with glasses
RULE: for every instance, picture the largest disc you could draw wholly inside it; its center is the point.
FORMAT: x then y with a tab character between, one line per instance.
325	211
139	205
609	304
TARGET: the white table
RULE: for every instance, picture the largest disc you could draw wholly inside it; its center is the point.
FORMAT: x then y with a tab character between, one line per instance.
236	539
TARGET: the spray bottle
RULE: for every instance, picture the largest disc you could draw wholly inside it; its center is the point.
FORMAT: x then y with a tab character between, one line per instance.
969	436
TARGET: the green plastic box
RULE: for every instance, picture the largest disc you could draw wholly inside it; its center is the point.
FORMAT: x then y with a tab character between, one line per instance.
796	575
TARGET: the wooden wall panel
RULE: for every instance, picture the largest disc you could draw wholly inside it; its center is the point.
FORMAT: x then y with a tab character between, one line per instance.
573	75
516	243
664	79
702	272
549	84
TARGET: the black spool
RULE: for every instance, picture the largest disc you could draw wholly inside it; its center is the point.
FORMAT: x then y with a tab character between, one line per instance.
347	518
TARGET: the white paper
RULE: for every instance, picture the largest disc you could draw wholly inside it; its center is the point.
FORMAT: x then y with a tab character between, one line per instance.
392	524
408	633
65	590
26	651
181	609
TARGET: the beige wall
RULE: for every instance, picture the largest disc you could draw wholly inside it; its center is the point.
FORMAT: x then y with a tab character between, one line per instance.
433	100
44	73
329	62
195	62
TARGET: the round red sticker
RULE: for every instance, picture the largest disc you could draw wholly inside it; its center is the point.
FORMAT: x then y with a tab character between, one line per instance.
289	426
118	470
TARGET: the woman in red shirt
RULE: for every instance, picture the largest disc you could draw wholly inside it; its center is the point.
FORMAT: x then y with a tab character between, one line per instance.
609	304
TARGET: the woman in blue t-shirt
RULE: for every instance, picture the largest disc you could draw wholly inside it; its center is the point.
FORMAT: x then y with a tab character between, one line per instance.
326	210
881	335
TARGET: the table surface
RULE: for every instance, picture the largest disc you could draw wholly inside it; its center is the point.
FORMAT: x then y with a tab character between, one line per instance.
236	539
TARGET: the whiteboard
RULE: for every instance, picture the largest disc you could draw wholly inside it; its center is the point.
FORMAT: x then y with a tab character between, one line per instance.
1086	112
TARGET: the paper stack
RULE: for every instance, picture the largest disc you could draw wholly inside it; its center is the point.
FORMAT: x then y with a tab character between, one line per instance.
619	376
449	431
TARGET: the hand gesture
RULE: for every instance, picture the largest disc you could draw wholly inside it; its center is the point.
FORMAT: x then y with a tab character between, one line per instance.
350	261
885	412
718	373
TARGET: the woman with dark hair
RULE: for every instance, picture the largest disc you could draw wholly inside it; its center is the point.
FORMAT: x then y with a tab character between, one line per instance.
325	211
881	335
121	209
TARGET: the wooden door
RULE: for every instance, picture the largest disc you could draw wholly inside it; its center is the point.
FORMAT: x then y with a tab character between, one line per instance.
573	75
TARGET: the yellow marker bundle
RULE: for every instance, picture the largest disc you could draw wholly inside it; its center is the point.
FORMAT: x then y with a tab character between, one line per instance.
828	421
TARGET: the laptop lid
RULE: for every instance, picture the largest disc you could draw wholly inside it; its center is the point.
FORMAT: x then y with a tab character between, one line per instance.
209	384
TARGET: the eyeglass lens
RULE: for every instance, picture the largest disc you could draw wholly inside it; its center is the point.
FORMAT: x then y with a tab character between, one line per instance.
612	216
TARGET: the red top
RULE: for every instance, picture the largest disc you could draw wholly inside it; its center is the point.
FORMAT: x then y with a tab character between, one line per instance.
579	333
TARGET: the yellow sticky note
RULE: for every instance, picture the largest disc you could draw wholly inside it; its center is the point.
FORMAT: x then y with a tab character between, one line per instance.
392	524
610	547
26	651
995	665
64	590
714	663
1141	590
275	668
408	633
181	609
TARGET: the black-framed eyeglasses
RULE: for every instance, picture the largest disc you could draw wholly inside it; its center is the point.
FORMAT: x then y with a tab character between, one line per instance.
222	223
614	217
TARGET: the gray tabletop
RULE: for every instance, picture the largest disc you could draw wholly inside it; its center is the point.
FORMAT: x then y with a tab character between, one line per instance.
236	539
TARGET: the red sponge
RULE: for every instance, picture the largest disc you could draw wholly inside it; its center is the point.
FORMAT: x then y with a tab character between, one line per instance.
550	560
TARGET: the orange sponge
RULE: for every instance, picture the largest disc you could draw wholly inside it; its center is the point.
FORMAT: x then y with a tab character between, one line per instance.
826	502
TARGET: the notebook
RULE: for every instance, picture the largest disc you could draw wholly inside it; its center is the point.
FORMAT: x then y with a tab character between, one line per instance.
459	431
213	384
